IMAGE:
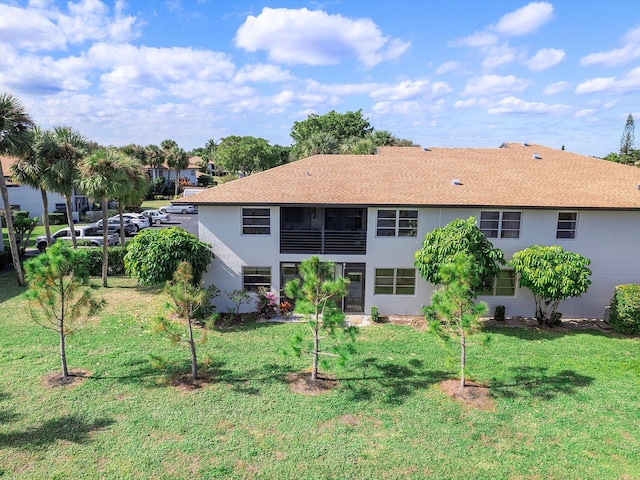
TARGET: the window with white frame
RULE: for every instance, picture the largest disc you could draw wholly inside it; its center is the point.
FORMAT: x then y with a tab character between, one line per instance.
397	223
256	221
255	277
500	224
567	224
504	285
395	281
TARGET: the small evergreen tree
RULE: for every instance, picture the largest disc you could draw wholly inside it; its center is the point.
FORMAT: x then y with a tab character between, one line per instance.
57	299
452	312
188	300
628	137
315	296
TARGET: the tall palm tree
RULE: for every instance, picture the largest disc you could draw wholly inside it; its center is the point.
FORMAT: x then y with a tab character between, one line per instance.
177	159
102	176
63	148
32	171
15	125
154	158
135	190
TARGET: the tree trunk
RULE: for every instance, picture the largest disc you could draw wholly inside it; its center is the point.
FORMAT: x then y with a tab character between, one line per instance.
72	228
45	215
10	231
463	358
316	348
120	212
192	346
105	241
63	355
176	183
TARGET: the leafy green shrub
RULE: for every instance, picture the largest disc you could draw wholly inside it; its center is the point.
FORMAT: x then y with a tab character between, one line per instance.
21	213
153	255
625	309
94	260
57	218
375	315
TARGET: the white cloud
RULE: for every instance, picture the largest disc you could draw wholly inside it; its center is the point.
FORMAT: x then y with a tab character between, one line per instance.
301	36
39	27
630	83
263	73
497	55
555	88
515	105
545	58
410	108
476	40
29	29
585	112
409	90
472	102
525	20
494	84
618	56
447	67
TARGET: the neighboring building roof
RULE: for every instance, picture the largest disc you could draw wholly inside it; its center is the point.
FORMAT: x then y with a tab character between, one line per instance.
508	176
7	162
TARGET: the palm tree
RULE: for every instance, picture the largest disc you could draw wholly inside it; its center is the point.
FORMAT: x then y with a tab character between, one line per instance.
177	159
154	158
15	125
102	177
31	171
137	186
63	148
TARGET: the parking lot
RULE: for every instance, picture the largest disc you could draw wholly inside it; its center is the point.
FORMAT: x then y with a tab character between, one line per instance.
189	222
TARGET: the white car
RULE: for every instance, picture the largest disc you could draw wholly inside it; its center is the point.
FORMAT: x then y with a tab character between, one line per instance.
139	221
178	208
157	217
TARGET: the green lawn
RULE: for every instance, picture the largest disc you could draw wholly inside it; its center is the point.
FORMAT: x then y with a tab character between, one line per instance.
567	405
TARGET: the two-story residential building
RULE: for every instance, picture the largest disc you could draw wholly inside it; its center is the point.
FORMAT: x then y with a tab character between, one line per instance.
369	214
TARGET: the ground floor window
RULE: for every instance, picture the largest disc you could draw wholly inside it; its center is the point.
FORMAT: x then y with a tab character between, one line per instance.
504	285
255	277
395	281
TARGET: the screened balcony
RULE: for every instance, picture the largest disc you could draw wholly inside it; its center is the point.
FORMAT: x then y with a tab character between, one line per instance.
317	230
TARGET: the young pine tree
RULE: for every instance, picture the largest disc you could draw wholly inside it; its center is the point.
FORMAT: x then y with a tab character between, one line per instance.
452	312
57	299
188	302
316	294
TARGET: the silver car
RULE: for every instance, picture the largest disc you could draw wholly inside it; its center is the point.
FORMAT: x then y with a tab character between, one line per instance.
156	217
178	208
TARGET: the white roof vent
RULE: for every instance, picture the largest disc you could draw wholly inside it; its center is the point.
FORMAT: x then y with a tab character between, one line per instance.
456	181
525	144
536	156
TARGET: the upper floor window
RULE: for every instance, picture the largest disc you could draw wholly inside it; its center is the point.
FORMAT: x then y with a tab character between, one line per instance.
256	221
397	223
500	224
504	285
395	281
567	225
255	277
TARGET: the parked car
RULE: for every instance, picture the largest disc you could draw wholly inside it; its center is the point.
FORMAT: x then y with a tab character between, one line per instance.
179	208
139	221
85	235
157	217
114	227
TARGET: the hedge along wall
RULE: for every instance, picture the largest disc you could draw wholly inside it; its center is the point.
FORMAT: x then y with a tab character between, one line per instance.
625	309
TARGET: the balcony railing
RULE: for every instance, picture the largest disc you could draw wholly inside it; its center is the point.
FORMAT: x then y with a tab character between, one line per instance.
333	241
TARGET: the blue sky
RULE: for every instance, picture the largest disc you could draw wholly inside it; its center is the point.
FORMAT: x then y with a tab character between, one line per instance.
441	73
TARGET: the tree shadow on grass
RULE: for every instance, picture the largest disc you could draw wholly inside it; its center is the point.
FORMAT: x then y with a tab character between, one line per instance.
7	415
390	382
546	333
537	382
250	381
72	428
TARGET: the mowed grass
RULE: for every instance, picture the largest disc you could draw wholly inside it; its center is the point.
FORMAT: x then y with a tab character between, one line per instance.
567	405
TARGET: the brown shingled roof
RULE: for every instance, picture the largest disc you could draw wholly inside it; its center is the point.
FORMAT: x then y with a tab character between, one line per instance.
508	176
